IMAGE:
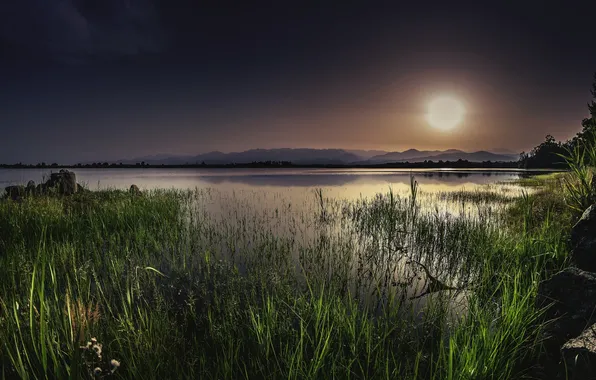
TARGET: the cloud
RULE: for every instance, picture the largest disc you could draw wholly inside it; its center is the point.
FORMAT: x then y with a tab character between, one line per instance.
82	30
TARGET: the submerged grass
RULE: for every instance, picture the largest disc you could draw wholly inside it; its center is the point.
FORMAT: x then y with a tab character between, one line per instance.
171	289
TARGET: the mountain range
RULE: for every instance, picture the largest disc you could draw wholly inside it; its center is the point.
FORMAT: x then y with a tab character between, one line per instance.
306	156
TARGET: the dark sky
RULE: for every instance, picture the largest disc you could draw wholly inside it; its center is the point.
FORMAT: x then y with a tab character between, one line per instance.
108	79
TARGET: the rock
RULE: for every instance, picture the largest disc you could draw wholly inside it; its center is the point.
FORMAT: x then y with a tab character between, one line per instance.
579	355
30	189
15	192
62	183
572	293
134	189
65	182
583	240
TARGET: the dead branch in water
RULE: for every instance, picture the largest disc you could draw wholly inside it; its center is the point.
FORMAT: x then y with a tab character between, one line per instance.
434	284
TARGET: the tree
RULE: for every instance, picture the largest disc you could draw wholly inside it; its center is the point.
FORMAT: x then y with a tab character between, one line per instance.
545	155
589	124
523	160
587	136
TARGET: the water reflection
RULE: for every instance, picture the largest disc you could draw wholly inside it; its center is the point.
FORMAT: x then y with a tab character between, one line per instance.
272	217
255	178
342	179
366	243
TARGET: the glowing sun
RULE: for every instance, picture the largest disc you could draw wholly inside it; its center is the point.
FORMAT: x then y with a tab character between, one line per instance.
445	113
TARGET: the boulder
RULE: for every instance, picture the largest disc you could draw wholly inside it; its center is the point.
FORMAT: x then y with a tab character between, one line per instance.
65	182
583	240
30	189
571	299
15	192
579	355
134	189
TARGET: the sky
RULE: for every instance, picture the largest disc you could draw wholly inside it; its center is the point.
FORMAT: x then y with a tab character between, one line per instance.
112	79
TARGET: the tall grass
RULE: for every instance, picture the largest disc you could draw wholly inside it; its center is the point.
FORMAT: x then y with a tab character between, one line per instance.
580	182
327	289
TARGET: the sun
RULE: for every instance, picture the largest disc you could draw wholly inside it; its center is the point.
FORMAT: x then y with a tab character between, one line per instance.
445	113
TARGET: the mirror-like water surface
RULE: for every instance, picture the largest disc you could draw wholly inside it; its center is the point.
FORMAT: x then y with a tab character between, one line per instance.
380	223
351	181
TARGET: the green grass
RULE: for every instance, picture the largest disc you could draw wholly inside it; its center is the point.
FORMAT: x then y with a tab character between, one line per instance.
579	183
538	180
172	289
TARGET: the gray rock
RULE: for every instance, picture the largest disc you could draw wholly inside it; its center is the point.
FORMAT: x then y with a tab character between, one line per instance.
571	299
30	189
579	355
15	192
65	182
583	240
134	189
62	183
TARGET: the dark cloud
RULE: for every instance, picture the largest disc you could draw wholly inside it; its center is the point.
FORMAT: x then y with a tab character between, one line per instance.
81	30
190	76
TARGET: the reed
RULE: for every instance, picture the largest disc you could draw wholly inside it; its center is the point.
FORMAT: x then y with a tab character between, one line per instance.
170	288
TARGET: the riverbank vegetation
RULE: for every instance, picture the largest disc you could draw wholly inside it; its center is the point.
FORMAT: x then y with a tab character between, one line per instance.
336	288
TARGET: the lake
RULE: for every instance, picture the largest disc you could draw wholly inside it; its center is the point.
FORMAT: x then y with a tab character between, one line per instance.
296	213
268	190
342	182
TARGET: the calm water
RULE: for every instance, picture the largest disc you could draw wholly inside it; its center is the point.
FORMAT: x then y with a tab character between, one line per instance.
346	183
251	210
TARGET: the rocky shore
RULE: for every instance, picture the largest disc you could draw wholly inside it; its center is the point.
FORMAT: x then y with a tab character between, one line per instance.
569	298
62	183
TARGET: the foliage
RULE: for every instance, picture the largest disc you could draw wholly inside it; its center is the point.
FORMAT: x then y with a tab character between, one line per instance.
174	291
580	183
585	138
548	153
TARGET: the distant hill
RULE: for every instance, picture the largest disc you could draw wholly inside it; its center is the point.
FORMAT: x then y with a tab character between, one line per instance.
296	156
414	155
504	151
366	154
306	156
410	155
479	156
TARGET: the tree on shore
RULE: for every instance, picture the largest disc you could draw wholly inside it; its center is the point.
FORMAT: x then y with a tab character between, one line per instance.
587	135
547	154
